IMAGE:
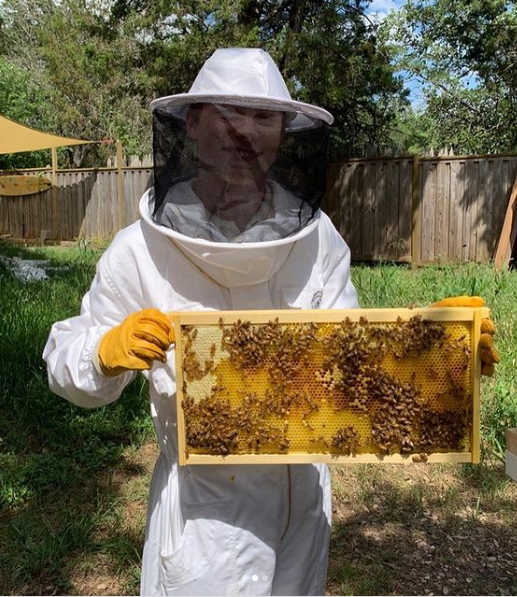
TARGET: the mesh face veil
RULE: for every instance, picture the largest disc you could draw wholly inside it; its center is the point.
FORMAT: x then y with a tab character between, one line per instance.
226	172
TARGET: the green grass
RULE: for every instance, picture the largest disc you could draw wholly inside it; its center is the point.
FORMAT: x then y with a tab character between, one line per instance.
68	475
53	455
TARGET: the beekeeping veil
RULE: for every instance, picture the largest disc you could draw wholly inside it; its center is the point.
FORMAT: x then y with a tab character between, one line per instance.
236	160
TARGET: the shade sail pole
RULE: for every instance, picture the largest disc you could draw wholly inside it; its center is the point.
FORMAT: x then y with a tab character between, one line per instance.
55	218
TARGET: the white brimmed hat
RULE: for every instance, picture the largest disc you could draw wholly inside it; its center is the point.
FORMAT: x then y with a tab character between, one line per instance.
245	77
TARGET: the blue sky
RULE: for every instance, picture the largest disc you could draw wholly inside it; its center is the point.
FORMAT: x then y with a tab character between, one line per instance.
377	10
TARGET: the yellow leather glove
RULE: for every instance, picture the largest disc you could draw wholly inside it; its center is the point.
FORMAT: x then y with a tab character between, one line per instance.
489	353
140	339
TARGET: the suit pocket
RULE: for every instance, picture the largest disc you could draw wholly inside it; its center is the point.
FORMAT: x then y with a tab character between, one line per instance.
198	548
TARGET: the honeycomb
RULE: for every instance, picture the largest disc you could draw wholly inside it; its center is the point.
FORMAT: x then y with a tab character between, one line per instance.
326	389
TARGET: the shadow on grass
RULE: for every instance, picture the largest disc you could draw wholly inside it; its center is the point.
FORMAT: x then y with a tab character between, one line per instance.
431	537
64	507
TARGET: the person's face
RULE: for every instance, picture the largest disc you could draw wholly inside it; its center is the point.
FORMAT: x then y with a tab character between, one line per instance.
238	144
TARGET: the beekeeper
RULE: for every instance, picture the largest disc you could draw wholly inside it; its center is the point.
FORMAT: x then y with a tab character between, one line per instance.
232	222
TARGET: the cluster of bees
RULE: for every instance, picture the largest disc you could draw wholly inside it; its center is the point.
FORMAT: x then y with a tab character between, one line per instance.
192	368
336	368
282	350
347	441
214	425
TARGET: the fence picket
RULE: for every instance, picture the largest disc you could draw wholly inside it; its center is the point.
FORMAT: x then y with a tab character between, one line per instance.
448	208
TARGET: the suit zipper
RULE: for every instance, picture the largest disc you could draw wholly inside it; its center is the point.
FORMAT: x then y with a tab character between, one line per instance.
288	502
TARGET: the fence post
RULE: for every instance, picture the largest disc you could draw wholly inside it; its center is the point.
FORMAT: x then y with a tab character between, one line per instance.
416	213
55	215
120	186
503	253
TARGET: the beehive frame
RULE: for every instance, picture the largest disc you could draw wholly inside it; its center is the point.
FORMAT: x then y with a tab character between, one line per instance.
426	360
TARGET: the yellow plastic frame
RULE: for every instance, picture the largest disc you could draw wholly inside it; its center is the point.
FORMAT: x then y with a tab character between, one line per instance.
471	317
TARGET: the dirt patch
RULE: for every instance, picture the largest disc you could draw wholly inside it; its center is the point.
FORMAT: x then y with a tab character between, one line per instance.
423	530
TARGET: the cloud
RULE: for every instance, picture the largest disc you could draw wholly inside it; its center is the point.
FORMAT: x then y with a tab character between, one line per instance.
384	5
378	9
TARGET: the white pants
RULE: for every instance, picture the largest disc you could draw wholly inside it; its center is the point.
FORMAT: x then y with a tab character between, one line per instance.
237	530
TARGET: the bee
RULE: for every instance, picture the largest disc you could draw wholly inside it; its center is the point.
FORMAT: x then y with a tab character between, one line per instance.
284	445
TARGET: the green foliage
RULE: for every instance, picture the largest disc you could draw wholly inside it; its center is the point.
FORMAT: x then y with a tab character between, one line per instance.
21	100
89	72
463	54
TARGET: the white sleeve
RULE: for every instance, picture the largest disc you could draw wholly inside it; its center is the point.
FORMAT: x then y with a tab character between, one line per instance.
339	291
73	342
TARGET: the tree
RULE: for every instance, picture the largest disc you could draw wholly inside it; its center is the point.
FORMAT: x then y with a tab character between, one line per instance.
464	54
327	50
21	100
87	69
99	63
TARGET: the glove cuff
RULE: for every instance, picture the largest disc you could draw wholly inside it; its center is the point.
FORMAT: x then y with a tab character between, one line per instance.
96	360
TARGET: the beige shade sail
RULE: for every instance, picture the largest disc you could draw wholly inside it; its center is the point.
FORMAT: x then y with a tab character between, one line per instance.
15	138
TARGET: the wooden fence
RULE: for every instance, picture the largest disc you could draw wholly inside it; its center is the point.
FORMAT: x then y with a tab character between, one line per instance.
407	209
421	210
83	204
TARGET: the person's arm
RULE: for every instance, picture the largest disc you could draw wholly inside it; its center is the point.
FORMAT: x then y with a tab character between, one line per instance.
71	349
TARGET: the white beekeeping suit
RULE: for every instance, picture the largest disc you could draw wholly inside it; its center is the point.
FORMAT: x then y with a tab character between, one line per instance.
233	222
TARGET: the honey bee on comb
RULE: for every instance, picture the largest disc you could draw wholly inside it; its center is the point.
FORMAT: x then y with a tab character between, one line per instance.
354	388
346	440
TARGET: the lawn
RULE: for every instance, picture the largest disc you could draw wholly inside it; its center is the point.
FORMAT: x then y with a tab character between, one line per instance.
73	482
